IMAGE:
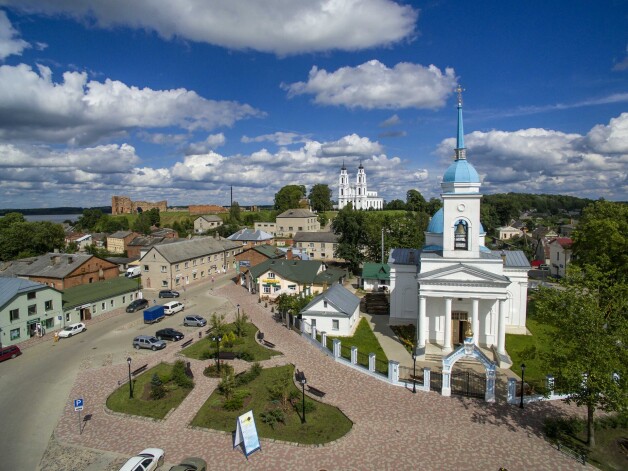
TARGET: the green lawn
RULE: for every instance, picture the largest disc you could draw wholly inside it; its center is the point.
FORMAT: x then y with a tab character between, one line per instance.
141	404
324	423
199	350
365	340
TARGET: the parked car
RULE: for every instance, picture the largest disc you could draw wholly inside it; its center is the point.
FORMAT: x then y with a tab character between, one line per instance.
9	352
169	334
148	460
173	307
191	464
148	341
168	293
194	321
72	329
137	305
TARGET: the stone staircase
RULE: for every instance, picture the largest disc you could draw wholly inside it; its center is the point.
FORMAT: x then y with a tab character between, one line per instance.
376	304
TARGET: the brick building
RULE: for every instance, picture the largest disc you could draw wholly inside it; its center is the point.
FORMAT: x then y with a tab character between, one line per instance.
119	241
124	205
256	255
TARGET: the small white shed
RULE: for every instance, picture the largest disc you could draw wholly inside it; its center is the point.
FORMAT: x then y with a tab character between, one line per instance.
335	311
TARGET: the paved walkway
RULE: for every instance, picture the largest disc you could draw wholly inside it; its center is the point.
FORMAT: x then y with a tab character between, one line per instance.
393	428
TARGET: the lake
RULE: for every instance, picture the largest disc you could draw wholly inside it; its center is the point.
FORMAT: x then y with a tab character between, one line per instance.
58	218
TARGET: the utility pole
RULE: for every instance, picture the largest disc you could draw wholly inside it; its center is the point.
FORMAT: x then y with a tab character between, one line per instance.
382	245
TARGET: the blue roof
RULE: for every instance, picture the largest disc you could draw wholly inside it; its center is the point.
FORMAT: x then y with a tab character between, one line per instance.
461	171
437	222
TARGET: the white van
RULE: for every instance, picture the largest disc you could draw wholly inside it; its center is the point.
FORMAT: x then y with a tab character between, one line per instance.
133	272
173	307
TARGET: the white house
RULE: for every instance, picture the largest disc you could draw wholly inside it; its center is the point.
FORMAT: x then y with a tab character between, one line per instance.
334	311
508	232
454	283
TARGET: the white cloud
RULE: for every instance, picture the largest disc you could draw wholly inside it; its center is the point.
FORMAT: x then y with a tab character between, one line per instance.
279	138
546	161
211	142
622	64
352	145
373	85
394	120
10	44
79	111
276	26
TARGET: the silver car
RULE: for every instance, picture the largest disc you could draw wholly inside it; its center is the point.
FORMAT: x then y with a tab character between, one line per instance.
148	341
194	321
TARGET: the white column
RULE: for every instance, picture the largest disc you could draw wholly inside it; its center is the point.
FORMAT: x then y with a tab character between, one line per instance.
421	327
501	328
447	342
475	321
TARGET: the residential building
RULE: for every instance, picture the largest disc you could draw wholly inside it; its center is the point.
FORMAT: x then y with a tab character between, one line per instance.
25	307
188	261
334	311
464	290
508	232
62	271
290	222
318	245
560	256
258	254
118	241
81	240
274	277
250	238
141	244
164	232
357	193
207	223
84	302
375	276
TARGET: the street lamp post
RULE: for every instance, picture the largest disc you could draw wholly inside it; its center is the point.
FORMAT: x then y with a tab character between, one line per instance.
128	362
238	306
217	339
414	372
303	383
523	369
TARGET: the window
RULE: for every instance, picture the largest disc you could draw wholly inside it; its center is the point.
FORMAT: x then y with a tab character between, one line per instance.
32	309
325	304
271	275
202	261
48	305
322	245
202	273
177	281
187	264
194	276
335	324
266	289
290	228
193	263
103	306
111	302
276	288
14	314
312	244
176	267
292	287
93	309
146	268
164	283
300	228
124	299
49	323
15	334
323	255
314	323
163	268
67	317
31	295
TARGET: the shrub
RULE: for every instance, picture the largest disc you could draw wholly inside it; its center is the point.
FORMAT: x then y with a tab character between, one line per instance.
249	375
157	390
227	385
555	428
180	377
245	355
212	370
233	403
273	416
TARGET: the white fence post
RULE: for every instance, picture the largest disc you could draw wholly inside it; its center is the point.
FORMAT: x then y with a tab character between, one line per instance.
324	339
393	371
372	362
512	391
427	373
354	355
336	348
314	332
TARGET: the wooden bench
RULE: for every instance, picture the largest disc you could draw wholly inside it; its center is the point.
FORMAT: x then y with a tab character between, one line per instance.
186	343
315	391
227	356
139	370
268	344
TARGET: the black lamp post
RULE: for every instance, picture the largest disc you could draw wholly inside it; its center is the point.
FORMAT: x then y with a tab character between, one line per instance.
414	372
303	383
523	369
128	362
238	306
217	339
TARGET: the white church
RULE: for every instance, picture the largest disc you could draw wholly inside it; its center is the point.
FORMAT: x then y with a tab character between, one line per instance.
357	194
455	287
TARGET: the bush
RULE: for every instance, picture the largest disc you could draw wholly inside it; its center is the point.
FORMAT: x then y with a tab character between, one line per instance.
157	390
249	375
206	355
212	370
556	428
180	377
233	404
273	416
245	355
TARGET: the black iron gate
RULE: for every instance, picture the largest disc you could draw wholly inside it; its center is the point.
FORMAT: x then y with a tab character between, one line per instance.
469	384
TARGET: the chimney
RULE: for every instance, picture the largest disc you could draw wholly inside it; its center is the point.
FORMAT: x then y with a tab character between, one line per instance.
503	255
289	254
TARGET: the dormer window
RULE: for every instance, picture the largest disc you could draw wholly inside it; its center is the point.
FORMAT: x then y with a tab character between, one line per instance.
461	236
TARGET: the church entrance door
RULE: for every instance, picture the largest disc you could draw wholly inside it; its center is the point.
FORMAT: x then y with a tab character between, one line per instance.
458	327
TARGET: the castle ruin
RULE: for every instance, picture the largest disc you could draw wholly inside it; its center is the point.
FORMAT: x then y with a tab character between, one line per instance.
124	205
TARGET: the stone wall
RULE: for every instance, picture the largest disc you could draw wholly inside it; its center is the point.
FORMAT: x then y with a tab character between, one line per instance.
124	205
198	209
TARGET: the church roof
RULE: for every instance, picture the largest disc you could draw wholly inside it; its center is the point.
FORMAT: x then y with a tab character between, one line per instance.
461	171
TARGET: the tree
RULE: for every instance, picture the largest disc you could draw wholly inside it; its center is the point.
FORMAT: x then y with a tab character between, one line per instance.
89	219
589	339
234	213
240	323
601	238
154	217
217	324
288	197
320	198
396	205
349	225
157	390
415	201
322	219
142	223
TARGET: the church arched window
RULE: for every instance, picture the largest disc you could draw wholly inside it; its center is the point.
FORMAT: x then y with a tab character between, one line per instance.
461	235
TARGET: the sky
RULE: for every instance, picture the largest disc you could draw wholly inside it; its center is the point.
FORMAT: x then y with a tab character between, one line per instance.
183	99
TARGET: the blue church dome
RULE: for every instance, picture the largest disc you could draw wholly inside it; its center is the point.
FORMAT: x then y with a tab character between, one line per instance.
437	222
461	171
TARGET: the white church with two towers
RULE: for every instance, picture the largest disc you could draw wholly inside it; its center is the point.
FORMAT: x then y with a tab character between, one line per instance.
357	193
455	287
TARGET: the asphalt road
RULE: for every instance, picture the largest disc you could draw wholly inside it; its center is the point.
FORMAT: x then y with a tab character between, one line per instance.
34	387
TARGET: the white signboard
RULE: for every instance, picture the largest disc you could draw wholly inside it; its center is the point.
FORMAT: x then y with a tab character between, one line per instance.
246	434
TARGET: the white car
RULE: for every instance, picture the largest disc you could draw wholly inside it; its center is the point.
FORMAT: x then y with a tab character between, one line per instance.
148	460
72	329
173	307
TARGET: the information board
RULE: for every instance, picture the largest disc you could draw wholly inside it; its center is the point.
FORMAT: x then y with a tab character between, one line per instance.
246	434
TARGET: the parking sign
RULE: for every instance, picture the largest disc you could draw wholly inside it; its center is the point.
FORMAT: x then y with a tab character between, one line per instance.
78	404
